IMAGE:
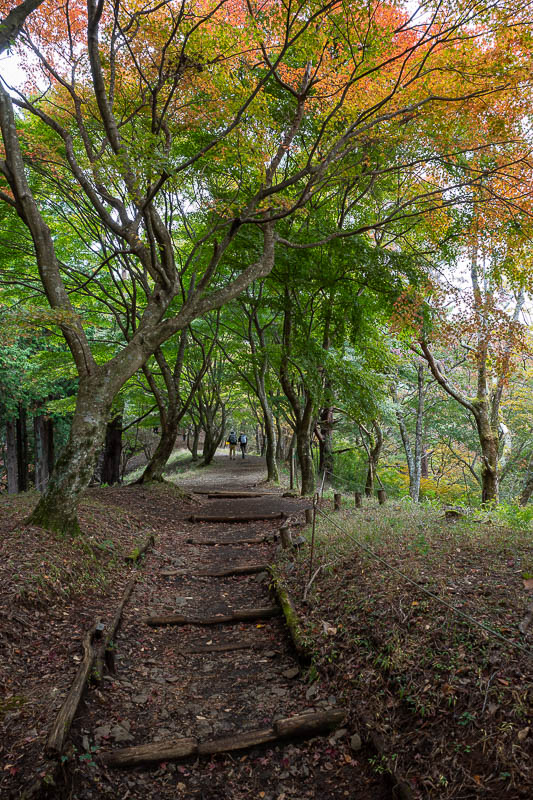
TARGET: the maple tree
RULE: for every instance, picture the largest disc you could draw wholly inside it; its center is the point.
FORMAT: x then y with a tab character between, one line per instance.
162	131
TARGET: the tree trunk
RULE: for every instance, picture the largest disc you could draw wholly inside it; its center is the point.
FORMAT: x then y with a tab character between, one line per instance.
279	442
424	467
269	439
11	457
156	466
56	510
489	441
22	450
43	429
527	487
373	459
325	442
270	447
195	442
414	459
213	432
305	458
110	472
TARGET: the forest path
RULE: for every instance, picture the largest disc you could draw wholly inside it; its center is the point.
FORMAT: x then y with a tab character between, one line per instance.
163	690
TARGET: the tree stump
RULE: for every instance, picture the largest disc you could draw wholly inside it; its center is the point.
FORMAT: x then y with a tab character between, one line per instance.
308	516
285	536
358	498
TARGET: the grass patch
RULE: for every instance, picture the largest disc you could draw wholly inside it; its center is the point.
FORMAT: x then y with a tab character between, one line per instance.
452	701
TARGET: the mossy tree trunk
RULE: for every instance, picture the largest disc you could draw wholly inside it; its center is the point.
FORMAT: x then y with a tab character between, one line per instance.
57	508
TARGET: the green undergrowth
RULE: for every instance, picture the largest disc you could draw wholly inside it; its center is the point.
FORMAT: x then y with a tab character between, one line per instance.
452	701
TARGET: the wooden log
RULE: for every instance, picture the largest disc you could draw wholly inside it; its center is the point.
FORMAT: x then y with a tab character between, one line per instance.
237	494
285	536
382	496
291	619
246	569
221	648
309	724
240	495
214	542
337	500
168	750
138	552
63	720
238	741
105	653
239	615
242	518
358	498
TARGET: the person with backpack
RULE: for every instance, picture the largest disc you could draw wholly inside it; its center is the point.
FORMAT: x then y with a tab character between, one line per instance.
232	441
243	441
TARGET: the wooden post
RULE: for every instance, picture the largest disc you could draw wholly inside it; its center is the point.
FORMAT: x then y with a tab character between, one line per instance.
285	536
358	497
337	501
382	496
308	516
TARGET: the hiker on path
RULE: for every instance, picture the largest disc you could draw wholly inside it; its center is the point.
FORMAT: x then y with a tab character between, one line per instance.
243	441
232	441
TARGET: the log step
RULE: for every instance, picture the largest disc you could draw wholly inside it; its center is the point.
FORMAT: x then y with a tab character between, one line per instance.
302	725
239	615
246	569
212	542
248	518
237	494
221	648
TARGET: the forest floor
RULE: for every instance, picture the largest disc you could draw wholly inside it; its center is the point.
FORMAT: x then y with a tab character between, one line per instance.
438	702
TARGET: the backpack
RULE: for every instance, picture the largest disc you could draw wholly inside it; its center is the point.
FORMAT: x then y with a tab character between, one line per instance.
232	439
243	438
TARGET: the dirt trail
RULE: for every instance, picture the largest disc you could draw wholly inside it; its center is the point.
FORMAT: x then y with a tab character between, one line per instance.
162	690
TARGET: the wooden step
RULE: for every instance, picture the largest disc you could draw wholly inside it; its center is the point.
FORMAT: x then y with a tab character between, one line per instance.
231	518
239	615
245	569
301	725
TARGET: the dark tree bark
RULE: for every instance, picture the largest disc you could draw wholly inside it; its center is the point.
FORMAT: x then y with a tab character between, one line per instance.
213	429
375	438
12	457
43	430
110	472
424	466
325	440
302	406
280	440
527	486
195	442
22	449
11	25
